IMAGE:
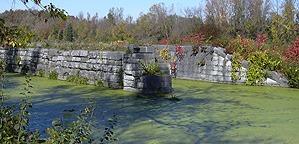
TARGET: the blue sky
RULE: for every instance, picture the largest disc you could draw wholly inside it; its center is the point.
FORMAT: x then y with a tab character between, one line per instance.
131	7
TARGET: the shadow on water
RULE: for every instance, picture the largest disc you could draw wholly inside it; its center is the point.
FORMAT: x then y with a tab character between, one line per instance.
206	112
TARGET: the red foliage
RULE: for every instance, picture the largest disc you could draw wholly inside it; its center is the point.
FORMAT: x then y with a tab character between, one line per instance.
292	52
164	41
260	40
87	40
179	50
196	38
173	65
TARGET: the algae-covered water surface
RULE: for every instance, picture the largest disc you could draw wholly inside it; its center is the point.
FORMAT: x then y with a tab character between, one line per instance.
206	112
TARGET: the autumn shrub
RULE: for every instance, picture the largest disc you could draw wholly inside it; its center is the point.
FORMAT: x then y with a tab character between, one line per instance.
291	66
292	52
291	71
241	45
259	56
164	53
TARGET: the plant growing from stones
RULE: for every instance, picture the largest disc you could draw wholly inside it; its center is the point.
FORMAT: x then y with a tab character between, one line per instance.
164	54
236	67
53	75
179	52
150	68
77	79
173	67
41	73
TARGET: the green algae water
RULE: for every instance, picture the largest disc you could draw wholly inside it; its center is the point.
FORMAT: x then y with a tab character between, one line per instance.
206	112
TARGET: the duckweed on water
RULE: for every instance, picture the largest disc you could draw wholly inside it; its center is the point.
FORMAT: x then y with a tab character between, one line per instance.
206	112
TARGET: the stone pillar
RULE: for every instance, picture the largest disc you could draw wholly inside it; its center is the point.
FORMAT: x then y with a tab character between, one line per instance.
133	80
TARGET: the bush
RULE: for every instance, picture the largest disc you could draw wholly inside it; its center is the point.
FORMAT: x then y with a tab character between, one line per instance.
151	68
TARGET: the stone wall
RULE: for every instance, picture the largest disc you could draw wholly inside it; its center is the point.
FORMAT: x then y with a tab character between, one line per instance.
212	64
133	81
112	69
91	67
123	70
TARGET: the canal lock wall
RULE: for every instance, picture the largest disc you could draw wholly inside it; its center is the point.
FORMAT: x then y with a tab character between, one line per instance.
116	69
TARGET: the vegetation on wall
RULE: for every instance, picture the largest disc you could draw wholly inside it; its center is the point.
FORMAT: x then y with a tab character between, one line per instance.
243	27
150	68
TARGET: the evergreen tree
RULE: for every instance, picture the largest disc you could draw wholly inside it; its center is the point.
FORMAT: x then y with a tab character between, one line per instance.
68	32
60	35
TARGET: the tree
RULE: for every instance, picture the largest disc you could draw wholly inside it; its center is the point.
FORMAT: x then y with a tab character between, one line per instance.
68	32
15	36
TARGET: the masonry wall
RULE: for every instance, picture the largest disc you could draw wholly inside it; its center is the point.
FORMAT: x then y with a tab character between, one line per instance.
134	81
122	70
93	67
212	64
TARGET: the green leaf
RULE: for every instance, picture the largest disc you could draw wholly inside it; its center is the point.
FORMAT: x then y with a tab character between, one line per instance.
56	122
68	115
69	124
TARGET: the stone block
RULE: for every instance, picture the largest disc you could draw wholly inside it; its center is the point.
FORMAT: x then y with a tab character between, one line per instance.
132	89
103	54
128	83
58	63
140	85
129	77
99	67
98	75
83	66
227	79
76	59
228	64
83	53
116	69
93	54
132	67
111	77
147	49
155	84
53	52
93	61
271	82
116	55
91	66
107	68
220	51
100	61
132	61
143	56
76	65
91	82
84	59
83	74
214	72
91	75
221	61
133	73
245	64
65	64
66	53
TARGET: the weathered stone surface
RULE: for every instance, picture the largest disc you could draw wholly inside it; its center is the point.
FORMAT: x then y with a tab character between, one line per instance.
53	52
209	64
155	84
